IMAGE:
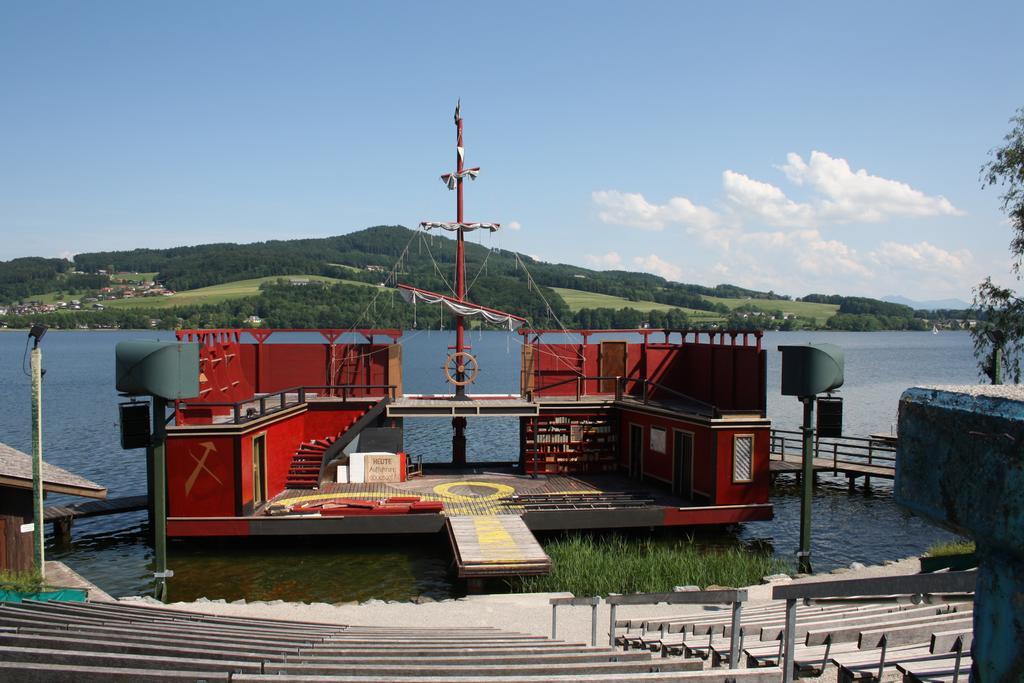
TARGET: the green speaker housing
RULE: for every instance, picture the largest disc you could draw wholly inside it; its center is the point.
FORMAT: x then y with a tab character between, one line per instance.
811	369
169	370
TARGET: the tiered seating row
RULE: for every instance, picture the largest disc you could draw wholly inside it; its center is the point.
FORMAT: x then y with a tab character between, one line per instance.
118	642
865	637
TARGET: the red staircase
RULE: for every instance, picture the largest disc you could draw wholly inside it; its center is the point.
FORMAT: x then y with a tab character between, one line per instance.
304	472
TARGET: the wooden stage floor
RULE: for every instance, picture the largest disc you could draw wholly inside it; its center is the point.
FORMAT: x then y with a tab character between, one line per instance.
498	494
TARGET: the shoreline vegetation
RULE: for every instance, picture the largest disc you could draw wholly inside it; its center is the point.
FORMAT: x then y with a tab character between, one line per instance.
348	281
583	565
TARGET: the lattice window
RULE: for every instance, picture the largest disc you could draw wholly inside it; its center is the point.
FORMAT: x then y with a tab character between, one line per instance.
743	458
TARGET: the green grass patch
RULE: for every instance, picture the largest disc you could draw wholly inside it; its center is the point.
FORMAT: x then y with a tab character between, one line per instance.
587	565
133	277
820	312
347	267
577	299
51	297
21	582
217	293
962	546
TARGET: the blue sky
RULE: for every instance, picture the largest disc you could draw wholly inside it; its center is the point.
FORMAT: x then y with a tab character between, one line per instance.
800	147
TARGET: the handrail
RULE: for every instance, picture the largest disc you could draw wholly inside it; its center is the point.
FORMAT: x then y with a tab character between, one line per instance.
281	398
350	435
592	602
917	585
735	597
620	383
857	450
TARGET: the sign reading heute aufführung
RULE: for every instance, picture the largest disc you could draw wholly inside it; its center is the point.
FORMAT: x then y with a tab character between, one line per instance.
383	468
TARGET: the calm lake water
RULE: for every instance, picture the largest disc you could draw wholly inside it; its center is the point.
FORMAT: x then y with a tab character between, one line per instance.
81	434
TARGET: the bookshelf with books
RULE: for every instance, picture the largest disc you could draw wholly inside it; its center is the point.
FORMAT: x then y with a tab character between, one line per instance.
570	444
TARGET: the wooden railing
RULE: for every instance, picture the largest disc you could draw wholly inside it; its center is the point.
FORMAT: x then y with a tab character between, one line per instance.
847	449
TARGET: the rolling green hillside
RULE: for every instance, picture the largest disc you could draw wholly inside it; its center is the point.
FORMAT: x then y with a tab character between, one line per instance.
220	285
576	300
820	312
216	293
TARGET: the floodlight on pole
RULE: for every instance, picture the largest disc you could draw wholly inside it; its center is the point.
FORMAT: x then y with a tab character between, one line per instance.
809	370
38	521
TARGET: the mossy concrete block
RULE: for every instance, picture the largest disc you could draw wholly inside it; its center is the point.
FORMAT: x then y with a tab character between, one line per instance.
960	460
960	463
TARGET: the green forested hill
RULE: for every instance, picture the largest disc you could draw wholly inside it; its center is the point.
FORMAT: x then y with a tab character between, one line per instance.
222	284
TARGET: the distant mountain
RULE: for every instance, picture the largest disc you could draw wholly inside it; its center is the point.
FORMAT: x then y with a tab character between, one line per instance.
932	305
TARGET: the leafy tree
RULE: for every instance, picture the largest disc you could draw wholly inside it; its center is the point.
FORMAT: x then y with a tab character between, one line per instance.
1000	309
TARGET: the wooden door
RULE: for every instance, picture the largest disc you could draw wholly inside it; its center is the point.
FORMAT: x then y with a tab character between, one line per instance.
259	469
682	465
636	451
612	363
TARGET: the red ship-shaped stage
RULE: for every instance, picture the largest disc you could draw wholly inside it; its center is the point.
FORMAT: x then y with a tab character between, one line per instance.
618	428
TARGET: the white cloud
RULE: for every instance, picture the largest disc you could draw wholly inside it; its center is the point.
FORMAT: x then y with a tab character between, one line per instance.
513	225
808	251
609	261
766	202
922	256
757	236
633	210
842	196
655	264
859	196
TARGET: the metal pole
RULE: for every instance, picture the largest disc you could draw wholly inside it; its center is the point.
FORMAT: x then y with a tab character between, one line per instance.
160	498
997	365
38	545
593	623
789	641
611	625
734	637
804	554
554	622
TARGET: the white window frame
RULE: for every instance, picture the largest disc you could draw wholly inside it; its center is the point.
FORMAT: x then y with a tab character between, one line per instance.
735	439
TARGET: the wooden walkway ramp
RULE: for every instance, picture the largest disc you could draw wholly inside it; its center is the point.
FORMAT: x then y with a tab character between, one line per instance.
63	516
495	545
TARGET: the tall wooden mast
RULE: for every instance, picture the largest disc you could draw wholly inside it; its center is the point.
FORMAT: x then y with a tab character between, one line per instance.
460	252
460	367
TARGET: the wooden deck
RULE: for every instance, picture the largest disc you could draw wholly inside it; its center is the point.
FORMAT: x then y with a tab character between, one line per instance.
494	546
787	464
63	516
412	406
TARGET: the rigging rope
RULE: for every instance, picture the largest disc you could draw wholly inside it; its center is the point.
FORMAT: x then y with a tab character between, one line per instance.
436	268
479	272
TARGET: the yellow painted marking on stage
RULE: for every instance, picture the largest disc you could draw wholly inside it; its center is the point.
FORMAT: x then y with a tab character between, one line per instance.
494	541
500	491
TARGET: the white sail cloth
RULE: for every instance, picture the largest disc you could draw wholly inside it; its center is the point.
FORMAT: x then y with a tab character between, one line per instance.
512	322
452	227
451	179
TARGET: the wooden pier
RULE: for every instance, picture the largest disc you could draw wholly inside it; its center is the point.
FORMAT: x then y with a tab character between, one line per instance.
487	546
852	457
63	516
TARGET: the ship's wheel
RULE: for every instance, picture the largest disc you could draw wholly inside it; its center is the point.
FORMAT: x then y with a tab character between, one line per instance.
461	364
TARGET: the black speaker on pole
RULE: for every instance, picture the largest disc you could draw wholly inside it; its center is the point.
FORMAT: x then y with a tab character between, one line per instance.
135	425
830	416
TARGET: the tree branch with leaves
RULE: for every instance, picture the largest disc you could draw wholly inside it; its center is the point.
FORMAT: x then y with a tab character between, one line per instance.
999	335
